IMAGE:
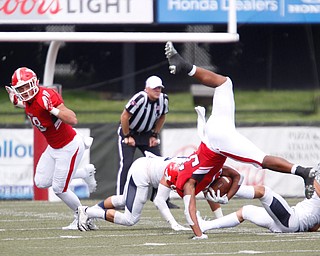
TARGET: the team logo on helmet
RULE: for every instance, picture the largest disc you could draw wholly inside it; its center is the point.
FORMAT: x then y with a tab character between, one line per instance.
171	174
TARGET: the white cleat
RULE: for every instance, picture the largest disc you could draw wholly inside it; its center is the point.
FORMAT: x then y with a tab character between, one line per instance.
82	218
91	225
72	226
90	179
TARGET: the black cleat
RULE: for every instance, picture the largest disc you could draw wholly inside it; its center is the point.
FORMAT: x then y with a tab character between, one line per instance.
308	175
308	181
176	63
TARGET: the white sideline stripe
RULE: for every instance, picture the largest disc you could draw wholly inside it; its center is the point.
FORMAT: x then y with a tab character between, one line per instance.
59	237
236	242
92	235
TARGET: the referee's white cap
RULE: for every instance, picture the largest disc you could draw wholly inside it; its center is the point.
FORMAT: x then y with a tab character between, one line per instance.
154	82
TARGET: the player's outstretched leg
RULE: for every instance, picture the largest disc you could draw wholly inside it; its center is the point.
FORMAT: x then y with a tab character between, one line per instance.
176	63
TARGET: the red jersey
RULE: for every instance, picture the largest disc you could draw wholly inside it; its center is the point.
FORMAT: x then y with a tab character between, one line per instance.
203	166
57	133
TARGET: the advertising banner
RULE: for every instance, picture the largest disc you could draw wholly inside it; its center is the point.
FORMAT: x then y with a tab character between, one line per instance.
75	11
16	165
300	145
253	11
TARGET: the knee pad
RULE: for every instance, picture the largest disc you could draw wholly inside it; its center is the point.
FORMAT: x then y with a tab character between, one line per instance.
41	184
246	210
118	201
57	189
123	219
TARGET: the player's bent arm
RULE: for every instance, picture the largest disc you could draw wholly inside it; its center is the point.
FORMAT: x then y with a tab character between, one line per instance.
236	177
159	124
190	209
124	119
66	115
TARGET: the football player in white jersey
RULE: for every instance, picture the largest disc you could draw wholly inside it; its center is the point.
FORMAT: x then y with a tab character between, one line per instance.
275	215
144	173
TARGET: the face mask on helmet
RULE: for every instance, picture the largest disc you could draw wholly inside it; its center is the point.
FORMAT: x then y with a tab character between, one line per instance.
25	83
171	173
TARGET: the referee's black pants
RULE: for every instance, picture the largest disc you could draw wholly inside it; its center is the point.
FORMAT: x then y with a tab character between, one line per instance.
126	154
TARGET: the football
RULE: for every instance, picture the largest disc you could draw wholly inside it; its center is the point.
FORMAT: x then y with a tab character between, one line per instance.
223	184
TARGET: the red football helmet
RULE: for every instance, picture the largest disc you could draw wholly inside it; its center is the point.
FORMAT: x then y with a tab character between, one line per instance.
25	83
171	173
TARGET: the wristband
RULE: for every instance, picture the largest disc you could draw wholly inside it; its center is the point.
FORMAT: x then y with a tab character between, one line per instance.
127	135
54	111
192	71
155	134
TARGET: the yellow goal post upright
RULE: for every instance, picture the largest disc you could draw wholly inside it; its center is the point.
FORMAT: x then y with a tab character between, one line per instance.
58	38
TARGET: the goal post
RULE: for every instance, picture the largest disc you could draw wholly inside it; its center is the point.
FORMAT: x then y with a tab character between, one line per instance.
57	38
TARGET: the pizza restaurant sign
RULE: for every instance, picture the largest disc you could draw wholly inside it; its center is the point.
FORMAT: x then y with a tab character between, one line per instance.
75	11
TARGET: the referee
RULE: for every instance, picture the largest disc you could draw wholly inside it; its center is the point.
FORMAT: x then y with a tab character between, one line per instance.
140	125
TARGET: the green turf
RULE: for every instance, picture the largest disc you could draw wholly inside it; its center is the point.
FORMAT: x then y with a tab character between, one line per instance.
34	228
289	106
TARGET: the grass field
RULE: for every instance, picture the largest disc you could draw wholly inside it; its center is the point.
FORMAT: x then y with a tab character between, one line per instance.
34	228
260	106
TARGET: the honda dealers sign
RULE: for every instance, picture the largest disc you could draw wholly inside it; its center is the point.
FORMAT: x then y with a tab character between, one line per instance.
76	11
248	11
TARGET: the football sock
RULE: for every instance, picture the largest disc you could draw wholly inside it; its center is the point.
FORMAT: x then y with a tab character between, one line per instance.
228	221
245	192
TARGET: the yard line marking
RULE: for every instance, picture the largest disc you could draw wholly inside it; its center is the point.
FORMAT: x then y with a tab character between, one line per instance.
71	237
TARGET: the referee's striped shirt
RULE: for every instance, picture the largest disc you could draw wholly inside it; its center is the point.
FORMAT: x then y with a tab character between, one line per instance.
144	112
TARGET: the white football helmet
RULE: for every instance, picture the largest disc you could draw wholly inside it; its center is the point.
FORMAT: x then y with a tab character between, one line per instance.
25	83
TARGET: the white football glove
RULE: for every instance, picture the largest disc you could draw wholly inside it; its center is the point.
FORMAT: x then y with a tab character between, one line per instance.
14	98
177	227
217	198
12	95
203	236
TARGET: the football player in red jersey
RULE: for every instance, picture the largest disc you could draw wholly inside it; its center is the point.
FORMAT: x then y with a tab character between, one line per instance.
220	140
46	110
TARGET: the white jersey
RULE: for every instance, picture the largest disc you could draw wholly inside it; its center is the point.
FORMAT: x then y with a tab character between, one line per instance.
147	171
144	173
308	212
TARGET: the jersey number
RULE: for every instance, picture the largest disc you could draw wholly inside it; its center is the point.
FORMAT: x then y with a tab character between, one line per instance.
194	159
35	121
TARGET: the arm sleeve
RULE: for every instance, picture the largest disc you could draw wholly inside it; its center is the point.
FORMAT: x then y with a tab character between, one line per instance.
160	202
